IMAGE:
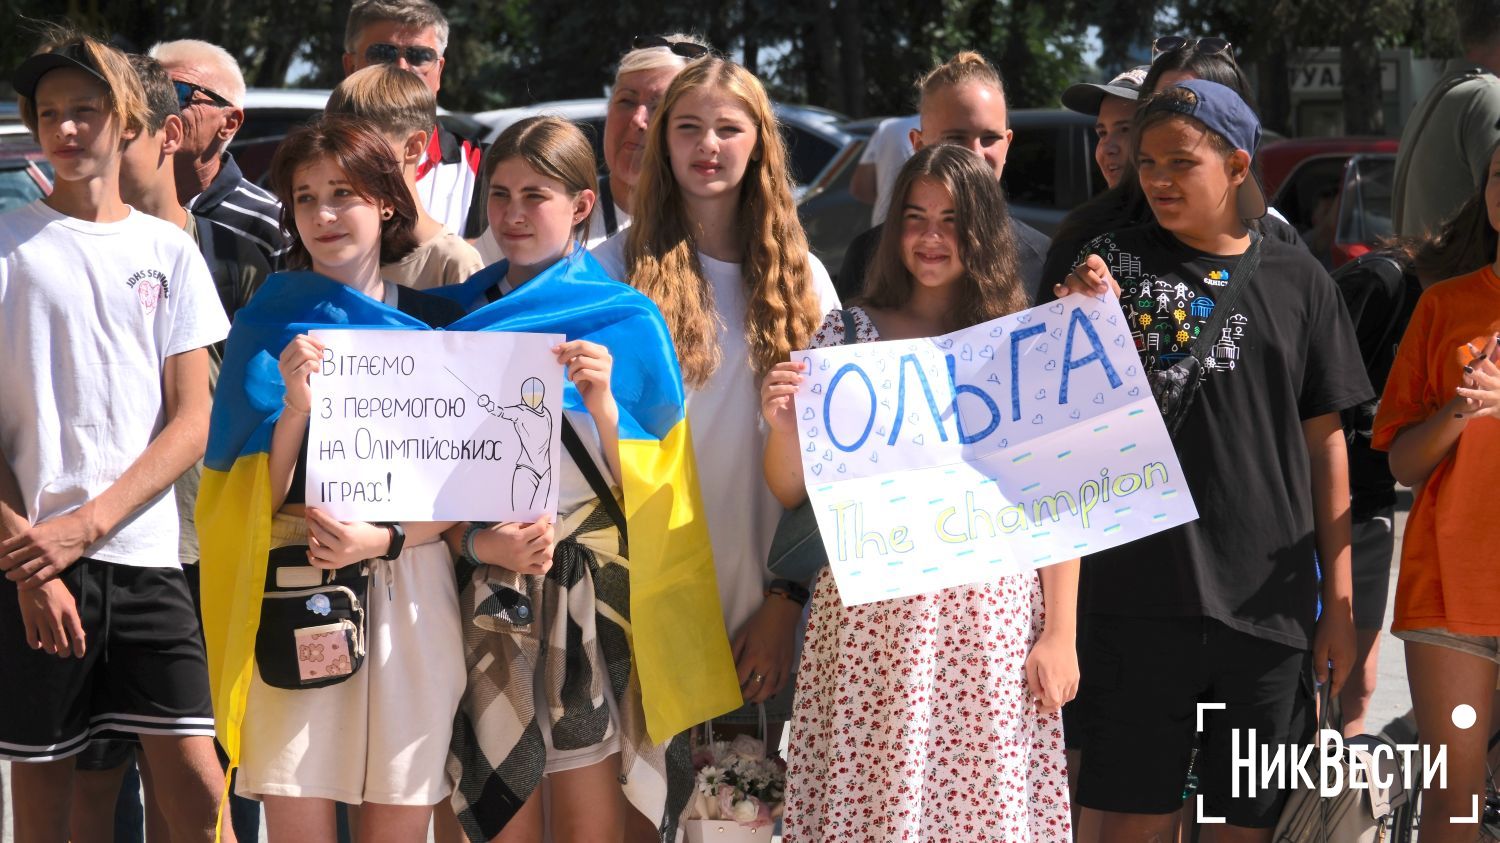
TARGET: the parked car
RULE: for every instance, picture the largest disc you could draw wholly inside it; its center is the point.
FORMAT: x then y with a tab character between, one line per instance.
1335	191
25	175
1050	168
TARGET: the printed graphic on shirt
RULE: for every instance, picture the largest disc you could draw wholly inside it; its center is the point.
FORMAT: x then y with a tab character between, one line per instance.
1167	316
151	286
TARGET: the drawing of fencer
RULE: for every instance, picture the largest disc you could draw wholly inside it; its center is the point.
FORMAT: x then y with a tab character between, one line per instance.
532	479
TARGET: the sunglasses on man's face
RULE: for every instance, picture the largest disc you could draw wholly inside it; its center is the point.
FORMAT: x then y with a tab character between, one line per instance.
185	91
419	57
1206	46
686	49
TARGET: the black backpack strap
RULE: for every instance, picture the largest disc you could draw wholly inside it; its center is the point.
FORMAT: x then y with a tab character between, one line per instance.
1239	279
591	473
607	206
849	326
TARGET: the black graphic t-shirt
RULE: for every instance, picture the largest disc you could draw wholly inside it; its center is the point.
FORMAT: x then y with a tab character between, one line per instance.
1287	353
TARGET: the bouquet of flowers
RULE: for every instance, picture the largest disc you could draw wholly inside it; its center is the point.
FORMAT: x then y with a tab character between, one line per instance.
737	782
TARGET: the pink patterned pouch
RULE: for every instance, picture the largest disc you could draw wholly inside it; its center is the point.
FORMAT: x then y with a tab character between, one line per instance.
323	651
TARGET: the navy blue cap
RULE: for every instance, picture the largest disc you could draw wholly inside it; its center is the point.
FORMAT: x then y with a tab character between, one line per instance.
1224	112
31	71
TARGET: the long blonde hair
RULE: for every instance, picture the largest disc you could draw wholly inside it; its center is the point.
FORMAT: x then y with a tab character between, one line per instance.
662	258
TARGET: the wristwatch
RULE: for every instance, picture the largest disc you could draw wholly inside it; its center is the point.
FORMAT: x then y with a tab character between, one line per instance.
398	539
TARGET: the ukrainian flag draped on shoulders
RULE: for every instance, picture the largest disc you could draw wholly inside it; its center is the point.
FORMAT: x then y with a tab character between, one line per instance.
682	653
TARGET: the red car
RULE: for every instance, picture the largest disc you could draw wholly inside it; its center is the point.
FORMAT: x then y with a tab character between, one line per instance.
1336	191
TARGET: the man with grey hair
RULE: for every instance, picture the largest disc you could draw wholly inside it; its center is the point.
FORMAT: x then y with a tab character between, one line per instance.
412	34
1446	146
211	93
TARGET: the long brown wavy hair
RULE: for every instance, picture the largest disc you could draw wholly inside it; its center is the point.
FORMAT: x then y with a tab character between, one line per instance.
991	285
661	254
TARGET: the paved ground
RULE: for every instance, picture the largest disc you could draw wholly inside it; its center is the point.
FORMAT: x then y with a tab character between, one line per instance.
1391	696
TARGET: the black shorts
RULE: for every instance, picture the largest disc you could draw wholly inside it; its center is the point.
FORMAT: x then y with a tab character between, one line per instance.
143	671
1137	707
1373	543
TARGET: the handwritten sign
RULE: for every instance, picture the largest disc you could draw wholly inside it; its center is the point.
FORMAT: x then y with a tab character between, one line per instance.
435	426
1001	448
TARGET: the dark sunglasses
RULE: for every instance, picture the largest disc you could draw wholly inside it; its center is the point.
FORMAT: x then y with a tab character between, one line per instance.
686	49
185	91
388	53
1206	46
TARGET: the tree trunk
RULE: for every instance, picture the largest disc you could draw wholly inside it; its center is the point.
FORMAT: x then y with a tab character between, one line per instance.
852	57
1359	68
1275	88
751	44
822	56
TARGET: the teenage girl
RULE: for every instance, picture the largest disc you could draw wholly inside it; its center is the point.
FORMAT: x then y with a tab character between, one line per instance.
717	245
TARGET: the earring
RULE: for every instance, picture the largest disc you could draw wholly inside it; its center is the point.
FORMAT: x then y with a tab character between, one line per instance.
386	214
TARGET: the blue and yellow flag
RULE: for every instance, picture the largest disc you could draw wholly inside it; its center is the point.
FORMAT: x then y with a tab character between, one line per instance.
682	653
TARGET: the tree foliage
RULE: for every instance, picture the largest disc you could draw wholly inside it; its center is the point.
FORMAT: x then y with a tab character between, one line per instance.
856	56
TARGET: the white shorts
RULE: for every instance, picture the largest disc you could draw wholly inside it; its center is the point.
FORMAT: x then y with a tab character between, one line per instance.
382	736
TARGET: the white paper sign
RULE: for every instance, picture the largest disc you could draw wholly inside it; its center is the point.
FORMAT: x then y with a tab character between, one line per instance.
435	426
1004	447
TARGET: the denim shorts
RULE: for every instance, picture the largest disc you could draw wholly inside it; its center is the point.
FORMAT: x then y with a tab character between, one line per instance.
1483	646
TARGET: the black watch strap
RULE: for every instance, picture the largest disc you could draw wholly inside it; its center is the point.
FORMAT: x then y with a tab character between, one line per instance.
398	540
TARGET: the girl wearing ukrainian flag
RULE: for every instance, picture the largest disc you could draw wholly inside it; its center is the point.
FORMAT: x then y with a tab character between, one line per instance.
378	739
717	245
557	630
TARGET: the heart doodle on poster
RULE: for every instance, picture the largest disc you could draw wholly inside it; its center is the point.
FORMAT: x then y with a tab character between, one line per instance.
817	389
812	433
1120	341
1042	348
1074	414
1037	419
1130	372
811	448
874	457
1098	398
967	354
808	414
1134	391
1057	308
1041	393
828	456
946	344
988	352
825	366
918	439
993	378
1051	364
842	469
996	331
1024	319
817	468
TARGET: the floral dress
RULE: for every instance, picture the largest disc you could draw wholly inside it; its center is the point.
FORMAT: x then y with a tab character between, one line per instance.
912	719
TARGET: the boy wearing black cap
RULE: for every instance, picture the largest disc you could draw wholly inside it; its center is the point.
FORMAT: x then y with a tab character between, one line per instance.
1113	105
1221	610
105	318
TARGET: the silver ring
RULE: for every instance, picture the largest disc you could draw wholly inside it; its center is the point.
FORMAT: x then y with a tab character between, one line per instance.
759	678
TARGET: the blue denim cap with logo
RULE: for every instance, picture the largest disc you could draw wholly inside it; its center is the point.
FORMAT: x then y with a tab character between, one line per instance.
1224	112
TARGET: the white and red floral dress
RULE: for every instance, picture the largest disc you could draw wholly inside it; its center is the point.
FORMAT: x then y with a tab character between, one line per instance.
912	720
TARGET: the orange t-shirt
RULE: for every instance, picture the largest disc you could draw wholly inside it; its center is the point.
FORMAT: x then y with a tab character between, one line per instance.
1450	576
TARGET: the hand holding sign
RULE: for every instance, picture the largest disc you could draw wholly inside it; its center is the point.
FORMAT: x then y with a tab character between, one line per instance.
1004	447
777	394
297	363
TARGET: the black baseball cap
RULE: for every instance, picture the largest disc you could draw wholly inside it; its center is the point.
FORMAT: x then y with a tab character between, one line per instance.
72	54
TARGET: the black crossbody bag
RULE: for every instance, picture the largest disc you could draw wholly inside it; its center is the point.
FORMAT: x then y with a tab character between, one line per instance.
1177	386
312	622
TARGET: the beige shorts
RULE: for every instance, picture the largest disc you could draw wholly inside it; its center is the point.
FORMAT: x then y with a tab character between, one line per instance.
382	736
1484	646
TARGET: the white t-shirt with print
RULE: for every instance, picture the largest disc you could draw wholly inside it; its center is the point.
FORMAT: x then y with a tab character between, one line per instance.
89	313
888	149
729	439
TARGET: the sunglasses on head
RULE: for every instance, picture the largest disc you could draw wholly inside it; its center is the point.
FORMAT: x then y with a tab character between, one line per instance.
1206	46
388	53
686	49
185	91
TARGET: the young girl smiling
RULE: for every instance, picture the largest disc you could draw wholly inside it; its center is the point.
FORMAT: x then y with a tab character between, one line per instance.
889	740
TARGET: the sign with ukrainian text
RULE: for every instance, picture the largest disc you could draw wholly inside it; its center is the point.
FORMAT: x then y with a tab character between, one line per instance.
1001	448
435	426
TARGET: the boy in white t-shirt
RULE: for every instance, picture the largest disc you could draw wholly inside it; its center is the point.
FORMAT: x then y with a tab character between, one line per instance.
105	318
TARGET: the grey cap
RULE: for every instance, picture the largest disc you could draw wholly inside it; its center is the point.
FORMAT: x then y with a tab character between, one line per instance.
31	71
1085	97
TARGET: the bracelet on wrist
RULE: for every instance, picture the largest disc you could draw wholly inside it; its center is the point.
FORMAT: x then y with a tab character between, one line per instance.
294	408
469	533
793	591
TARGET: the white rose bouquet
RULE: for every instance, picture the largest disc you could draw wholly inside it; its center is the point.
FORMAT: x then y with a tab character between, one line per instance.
736	781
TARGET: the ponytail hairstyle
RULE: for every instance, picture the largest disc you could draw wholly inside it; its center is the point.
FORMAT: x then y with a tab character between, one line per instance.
127	99
661	256
554	147
966	66
358	148
991	285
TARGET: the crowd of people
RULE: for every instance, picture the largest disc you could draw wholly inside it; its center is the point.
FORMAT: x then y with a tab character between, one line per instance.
510	682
